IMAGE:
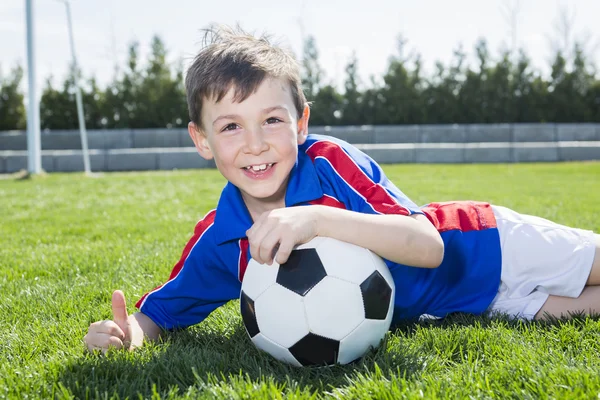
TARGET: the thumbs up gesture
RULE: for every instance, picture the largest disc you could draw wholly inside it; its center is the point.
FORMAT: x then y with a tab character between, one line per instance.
120	317
119	333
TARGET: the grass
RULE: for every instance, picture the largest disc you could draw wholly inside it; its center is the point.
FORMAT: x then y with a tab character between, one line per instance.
67	241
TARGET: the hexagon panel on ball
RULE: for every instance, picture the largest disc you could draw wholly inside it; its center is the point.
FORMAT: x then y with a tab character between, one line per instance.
277	351
334	308
336	256
280	316
369	334
257	278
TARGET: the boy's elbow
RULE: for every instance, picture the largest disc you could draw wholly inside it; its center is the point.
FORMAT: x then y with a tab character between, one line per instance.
431	244
436	252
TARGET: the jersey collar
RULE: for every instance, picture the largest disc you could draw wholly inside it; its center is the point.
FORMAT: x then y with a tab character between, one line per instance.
233	218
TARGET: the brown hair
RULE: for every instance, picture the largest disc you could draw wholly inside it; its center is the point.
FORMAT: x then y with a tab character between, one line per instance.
232	57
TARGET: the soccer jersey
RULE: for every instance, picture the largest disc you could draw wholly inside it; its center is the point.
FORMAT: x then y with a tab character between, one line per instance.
331	172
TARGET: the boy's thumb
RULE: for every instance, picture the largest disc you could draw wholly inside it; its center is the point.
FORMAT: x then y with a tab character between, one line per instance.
119	309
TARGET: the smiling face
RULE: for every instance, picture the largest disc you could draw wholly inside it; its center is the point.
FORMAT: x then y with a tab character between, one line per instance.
254	142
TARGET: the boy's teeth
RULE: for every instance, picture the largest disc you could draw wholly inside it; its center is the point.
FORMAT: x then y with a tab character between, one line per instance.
261	167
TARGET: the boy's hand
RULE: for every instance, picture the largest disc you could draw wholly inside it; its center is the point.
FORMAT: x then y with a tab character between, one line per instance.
274	235
118	334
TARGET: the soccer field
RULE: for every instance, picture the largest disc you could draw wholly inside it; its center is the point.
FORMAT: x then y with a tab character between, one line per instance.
67	241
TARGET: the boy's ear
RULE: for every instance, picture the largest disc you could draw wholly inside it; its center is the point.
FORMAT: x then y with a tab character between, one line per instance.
303	124
200	140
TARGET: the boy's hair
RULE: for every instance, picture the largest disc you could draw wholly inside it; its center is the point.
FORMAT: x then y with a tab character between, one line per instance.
232	57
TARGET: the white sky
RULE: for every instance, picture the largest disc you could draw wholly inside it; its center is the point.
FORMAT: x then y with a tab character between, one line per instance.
434	28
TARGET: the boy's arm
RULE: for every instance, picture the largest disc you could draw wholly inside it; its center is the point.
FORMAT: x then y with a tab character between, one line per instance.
123	331
200	282
143	328
377	215
409	240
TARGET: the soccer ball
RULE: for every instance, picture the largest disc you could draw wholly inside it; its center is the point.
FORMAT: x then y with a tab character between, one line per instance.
329	303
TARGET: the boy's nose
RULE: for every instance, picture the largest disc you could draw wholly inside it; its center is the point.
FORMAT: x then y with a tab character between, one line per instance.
255	141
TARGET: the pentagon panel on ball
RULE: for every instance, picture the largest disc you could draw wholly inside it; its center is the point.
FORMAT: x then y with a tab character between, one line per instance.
329	303
302	271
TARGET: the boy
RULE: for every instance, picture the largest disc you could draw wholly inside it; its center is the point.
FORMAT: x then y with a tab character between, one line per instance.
249	114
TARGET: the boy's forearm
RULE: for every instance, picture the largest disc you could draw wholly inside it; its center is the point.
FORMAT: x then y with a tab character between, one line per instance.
150	331
412	241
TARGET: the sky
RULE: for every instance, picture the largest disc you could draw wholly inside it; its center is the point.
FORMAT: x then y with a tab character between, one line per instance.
103	30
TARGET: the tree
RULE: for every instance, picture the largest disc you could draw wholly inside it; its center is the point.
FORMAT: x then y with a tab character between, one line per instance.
327	107
372	104
160	98
351	112
499	92
311	71
563	28
122	94
569	89
401	95
593	101
474	94
93	99
58	108
326	103
530	91
510	11
508	89
442	94
12	108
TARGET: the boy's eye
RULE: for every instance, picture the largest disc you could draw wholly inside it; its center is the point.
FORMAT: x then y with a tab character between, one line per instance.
229	127
273	120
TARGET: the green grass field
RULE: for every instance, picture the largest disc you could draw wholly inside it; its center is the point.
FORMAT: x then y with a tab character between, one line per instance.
67	241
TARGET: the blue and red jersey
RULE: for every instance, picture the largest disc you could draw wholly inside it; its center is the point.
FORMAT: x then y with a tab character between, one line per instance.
331	172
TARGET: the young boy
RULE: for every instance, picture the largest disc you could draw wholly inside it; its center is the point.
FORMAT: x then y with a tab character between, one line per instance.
249	114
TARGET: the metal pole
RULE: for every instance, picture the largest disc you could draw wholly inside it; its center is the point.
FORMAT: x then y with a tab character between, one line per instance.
80	116
34	152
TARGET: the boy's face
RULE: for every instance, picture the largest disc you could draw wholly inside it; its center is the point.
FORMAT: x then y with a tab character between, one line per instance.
254	143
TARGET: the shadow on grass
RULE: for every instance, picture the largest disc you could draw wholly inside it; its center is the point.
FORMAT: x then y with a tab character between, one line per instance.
460	338
204	362
487	320
458	320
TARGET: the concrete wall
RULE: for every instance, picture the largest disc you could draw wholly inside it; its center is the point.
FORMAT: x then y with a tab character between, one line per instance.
149	149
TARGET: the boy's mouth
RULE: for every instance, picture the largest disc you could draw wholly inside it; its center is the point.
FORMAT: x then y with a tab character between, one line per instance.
258	168
259	171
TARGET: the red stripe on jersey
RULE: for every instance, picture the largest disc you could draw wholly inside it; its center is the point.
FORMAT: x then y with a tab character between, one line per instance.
329	201
243	261
199	230
460	215
373	193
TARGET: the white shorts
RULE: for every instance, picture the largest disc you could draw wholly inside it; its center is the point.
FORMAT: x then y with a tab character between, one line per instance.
539	258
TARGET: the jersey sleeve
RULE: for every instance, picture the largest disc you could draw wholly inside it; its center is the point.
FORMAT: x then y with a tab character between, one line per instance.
197	285
358	179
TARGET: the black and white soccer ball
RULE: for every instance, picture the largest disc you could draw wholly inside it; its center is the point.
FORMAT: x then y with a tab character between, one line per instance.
329	303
